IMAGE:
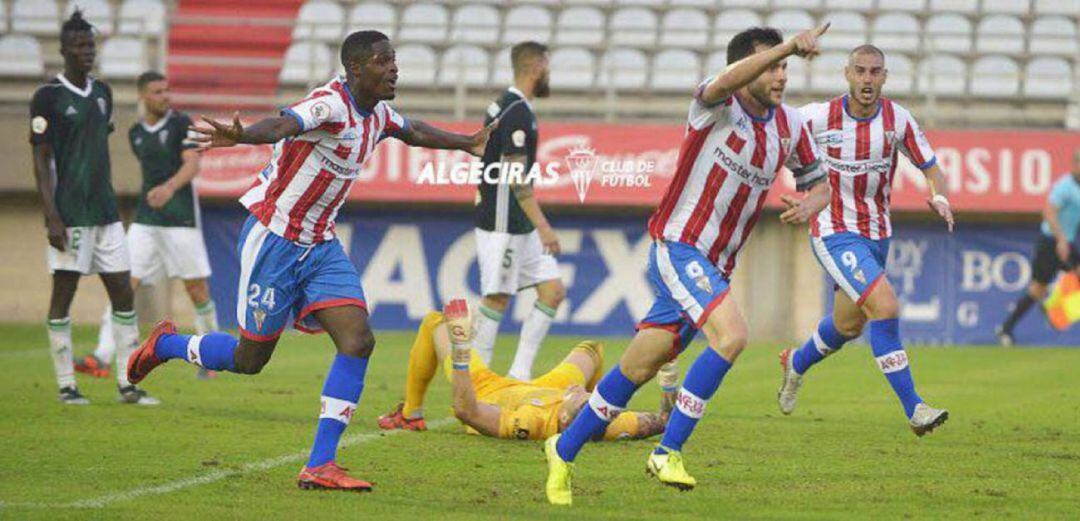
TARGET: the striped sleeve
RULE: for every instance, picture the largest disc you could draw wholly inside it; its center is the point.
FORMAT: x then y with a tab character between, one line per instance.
396	124
320	110
914	144
804	162
703	114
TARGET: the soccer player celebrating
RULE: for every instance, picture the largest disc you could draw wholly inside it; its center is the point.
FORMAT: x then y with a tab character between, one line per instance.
166	237
291	264
859	135
1055	249
502	407
515	245
739	134
71	119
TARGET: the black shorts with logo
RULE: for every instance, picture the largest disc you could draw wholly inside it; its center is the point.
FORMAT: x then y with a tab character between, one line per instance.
1046	263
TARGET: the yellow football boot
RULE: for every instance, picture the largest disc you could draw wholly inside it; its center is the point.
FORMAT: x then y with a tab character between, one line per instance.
559	474
669	469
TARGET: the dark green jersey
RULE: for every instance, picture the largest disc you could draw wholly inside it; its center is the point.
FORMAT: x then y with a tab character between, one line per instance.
159	149
76	123
496	207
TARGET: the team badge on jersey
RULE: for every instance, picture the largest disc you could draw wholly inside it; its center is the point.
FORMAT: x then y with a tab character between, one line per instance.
320	111
259	316
518	137
101	105
163	136
39	125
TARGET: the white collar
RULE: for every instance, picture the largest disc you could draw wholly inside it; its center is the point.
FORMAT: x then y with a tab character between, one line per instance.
157	126
521	95
82	92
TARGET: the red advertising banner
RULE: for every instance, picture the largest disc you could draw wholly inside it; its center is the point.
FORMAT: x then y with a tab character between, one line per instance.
632	164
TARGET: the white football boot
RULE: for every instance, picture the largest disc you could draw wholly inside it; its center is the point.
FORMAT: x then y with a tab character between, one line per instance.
925	419
789	385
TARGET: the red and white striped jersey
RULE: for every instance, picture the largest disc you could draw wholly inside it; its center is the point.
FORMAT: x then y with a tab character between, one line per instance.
298	194
727	163
860	158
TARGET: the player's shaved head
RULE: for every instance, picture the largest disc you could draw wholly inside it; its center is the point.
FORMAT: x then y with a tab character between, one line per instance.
359	46
744	43
524	55
147	78
866	49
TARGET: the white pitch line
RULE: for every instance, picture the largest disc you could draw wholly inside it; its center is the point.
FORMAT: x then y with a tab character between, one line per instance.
217	475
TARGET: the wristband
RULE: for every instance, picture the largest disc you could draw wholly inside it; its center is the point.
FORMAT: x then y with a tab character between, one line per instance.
938	198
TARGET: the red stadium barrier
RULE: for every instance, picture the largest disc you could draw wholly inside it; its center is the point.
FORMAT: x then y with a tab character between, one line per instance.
992	170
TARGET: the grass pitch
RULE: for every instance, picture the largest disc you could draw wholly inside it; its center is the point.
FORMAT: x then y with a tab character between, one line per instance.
231	448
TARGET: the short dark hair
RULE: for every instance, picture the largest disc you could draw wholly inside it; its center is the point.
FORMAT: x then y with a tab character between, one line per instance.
147	78
522	55
867	49
742	44
357	46
74	24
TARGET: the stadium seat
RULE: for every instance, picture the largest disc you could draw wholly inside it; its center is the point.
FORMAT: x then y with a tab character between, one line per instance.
98	12
715	62
417	65
571	68
848	31
502	74
755	4
1053	35
35	17
901	80
528	22
633	26
306	63
996	76
948	32
693	3
729	22
1065	7
123	57
467	63
424	23
1048	78
790	21
800	4
319	20
861	6
139	16
3	20
580	26
20	55
912	6
654	4
955	6
684	28
827	73
676	70
1000	34
623	69
475	24
375	16
797	76
894	32
943	74
1017	7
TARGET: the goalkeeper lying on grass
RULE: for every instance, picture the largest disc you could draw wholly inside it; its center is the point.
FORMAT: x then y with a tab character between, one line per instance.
503	407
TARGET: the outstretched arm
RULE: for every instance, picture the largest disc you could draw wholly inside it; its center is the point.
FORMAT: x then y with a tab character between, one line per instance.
421	134
216	134
742	72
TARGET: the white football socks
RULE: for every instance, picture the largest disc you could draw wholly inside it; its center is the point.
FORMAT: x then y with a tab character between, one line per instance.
533	331
60	349
487	329
125	329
